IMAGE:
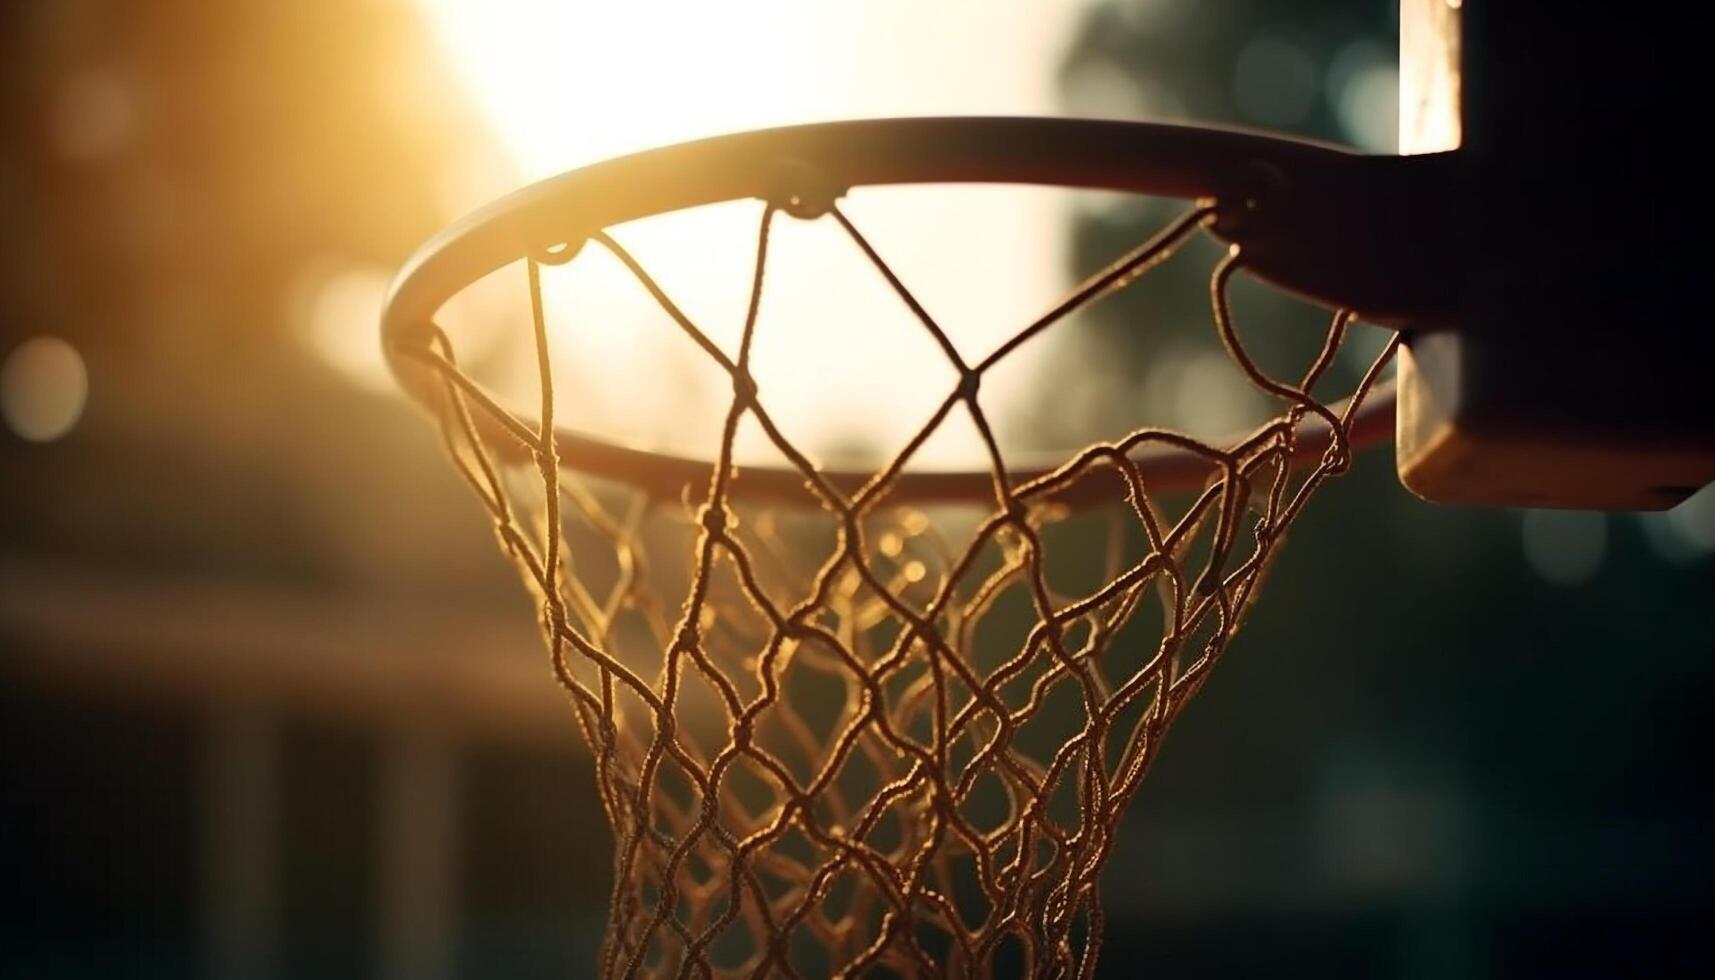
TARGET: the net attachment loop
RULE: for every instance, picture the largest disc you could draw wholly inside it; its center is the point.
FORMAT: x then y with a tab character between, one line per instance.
802	190
1248	194
559	253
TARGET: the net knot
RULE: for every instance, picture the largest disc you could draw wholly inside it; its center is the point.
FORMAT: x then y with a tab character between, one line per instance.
794	629
690	637
743	389
714	519
1052	631
1338	458
969	383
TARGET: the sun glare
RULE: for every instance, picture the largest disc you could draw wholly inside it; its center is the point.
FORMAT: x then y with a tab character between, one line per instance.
567	84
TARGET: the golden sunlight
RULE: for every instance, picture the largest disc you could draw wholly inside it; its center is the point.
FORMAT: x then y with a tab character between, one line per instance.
567	84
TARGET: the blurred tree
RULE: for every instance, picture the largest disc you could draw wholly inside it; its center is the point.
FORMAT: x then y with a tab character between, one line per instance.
1283	67
190	176
1432	752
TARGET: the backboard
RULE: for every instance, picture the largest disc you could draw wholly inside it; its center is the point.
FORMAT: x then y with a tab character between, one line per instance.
1573	377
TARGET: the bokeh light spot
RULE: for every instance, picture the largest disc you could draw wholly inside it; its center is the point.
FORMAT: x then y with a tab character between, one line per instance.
1565	547
1687	532
1695	518
1104	90
1363	89
1368	107
1207	397
336	317
94	113
43	388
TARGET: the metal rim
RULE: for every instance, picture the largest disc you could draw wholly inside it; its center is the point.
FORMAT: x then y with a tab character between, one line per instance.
1154	159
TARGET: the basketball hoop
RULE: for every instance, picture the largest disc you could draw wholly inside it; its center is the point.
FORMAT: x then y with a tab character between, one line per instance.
830	738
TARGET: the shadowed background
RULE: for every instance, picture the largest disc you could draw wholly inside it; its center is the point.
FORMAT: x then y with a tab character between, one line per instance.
271	706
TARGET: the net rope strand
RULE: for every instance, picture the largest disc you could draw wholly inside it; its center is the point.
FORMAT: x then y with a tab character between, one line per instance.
891	755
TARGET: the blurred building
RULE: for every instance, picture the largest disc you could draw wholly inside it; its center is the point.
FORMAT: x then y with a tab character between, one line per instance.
270	706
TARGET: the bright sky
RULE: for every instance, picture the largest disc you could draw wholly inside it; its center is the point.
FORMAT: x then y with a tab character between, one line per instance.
569	83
